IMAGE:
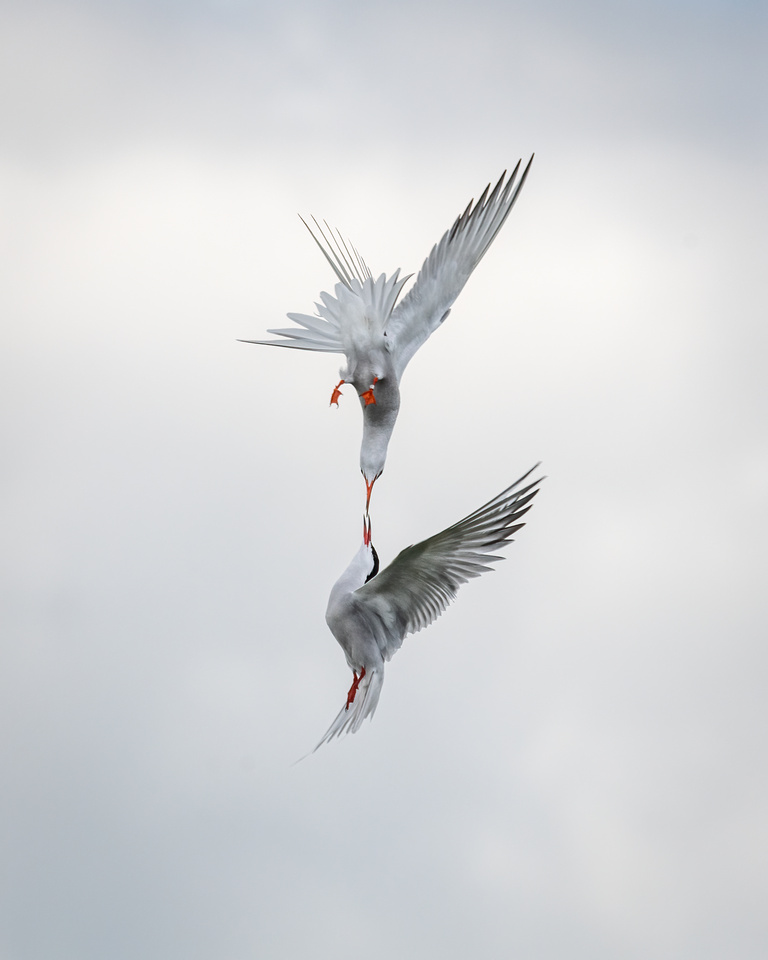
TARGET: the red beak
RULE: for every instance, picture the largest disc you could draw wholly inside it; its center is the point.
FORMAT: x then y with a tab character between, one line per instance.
366	530
368	491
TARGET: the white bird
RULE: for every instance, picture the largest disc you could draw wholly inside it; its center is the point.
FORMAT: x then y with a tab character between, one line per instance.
378	337
370	613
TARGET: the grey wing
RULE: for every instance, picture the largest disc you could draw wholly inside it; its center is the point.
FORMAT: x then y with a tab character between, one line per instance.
424	578
449	265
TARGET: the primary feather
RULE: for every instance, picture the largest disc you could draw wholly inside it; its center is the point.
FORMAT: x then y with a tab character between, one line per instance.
449	266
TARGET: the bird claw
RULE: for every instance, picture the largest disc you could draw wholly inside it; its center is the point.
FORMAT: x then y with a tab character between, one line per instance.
353	688
336	394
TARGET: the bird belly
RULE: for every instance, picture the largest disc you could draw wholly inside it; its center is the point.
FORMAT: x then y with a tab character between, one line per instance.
354	635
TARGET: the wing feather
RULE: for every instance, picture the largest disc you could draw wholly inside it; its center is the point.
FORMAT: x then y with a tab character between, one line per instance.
424	578
449	266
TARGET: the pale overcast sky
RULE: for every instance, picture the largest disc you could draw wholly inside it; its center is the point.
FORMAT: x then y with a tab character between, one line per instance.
571	763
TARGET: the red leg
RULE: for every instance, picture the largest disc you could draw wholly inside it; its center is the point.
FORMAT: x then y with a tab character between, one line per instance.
367	395
353	688
336	393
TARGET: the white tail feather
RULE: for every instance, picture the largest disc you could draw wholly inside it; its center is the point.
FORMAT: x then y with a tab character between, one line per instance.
350	718
359	310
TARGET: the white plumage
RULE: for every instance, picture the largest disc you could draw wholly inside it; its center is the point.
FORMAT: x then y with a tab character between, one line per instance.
377	335
370	613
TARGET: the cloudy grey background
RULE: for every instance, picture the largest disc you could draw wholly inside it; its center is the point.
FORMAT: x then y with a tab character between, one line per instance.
571	763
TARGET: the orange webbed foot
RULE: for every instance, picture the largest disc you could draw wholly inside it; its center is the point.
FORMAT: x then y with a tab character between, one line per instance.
367	395
336	393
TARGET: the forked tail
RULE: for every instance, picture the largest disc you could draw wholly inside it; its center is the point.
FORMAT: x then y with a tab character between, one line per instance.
351	716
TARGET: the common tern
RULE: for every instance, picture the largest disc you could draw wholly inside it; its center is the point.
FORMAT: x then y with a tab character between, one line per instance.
371	612
377	335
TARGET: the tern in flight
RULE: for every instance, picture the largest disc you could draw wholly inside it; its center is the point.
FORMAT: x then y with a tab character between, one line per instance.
371	612
377	335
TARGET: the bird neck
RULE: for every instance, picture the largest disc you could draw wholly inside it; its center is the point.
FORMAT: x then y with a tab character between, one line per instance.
356	573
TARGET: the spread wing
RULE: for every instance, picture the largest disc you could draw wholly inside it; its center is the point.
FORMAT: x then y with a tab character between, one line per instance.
424	578
449	265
